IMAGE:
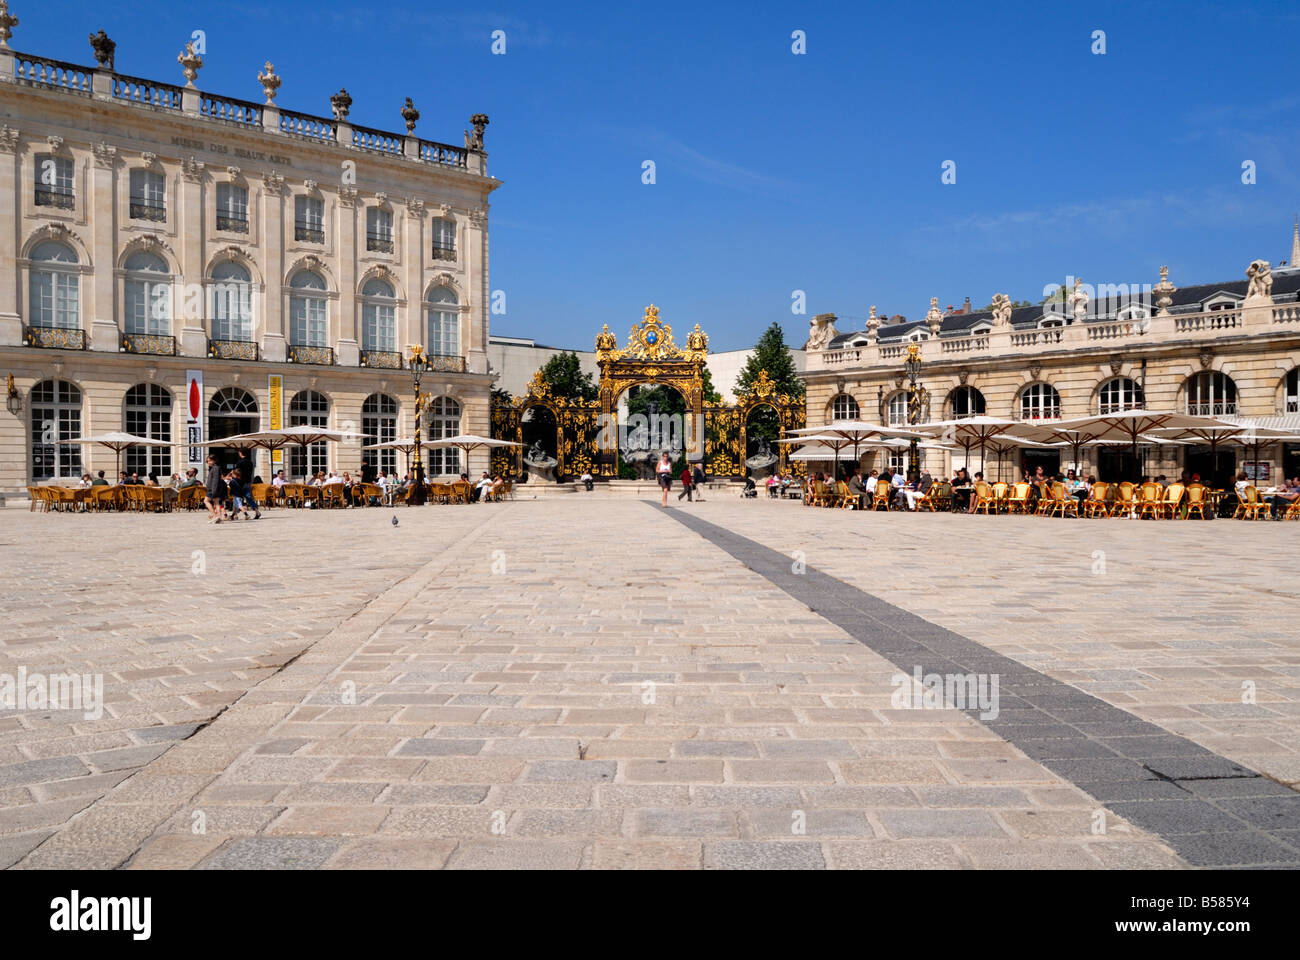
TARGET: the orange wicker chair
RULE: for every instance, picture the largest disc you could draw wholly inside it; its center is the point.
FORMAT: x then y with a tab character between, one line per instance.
883	498
1096	504
1251	506
984	497
1173	500
1018	499
1124	501
1150	501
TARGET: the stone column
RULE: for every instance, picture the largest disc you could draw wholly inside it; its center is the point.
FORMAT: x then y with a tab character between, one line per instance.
11	324
414	257
189	250
271	319
105	333
348	350
476	247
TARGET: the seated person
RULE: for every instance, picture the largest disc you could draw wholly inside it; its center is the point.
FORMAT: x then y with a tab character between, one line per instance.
858	488
587	480
99	480
278	479
191	479
751	488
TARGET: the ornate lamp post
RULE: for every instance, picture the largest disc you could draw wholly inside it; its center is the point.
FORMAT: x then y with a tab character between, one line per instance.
419	366
917	396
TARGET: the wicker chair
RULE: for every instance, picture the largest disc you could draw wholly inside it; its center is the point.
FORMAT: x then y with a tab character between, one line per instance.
1150	500
1251	506
1173	500
883	498
1018	498
1096	504
1001	496
938	497
1124	502
984	497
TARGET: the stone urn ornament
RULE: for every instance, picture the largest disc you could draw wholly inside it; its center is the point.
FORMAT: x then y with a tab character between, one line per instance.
341	103
192	64
410	115
7	22
270	82
104	49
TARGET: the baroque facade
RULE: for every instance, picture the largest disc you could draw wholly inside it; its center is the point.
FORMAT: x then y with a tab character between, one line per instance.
156	239
1229	348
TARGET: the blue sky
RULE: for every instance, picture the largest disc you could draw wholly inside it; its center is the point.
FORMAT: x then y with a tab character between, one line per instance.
778	172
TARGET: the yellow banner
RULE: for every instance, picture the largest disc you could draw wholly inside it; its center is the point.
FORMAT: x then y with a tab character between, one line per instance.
275	388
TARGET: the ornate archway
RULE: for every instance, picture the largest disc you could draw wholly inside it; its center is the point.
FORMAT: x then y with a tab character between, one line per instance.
587	431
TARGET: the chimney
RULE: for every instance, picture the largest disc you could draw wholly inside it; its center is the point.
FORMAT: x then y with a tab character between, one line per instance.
965	307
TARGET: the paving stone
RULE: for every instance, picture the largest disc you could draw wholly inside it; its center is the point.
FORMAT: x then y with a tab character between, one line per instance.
271	853
785	855
940	823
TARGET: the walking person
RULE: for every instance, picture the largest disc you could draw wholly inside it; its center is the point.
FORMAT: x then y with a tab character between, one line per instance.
697	482
687	484
664	471
215	490
244	477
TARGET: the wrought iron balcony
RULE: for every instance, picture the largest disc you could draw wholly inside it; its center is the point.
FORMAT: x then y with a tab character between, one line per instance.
376	242
232	224
60	197
153	343
443	253
323	356
232	349
309	233
55	338
381	359
148	210
445	364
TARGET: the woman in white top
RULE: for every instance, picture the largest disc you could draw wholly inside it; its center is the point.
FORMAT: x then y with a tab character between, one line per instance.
664	470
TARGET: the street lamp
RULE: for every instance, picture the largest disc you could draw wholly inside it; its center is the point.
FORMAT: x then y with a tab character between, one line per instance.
916	397
13	400
419	366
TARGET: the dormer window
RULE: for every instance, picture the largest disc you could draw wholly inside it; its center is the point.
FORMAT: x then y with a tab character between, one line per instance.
918	336
1222	301
1133	312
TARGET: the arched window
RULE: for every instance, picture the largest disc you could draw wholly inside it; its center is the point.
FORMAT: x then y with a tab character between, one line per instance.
148	295
55	287
312	409
232	401
844	407
56	415
443	323
149	414
442	419
1211	394
965	402
1291	402
1040	401
897	409
232	302
309	324
444	239
379	425
1118	395
378	316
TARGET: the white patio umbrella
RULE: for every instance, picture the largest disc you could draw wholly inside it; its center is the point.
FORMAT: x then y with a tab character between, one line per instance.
967	432
302	435
117	442
469	441
856	432
404	445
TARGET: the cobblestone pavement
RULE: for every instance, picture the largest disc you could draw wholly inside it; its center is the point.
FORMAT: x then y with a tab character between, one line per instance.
588	682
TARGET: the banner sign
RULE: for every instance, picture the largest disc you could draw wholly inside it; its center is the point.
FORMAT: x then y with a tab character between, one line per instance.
275	389
194	416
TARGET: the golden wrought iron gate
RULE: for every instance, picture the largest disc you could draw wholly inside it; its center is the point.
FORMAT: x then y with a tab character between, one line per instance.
586	432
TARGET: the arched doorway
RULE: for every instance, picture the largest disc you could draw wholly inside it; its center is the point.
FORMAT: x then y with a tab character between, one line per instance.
231	412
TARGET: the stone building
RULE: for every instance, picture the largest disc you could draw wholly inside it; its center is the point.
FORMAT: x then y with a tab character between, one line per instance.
158	241
1228	348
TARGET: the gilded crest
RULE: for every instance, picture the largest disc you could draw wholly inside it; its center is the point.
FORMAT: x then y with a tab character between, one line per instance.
651	339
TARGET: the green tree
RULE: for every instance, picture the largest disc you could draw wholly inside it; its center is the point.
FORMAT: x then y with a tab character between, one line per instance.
1014	303
501	396
564	373
771	354
1059	295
